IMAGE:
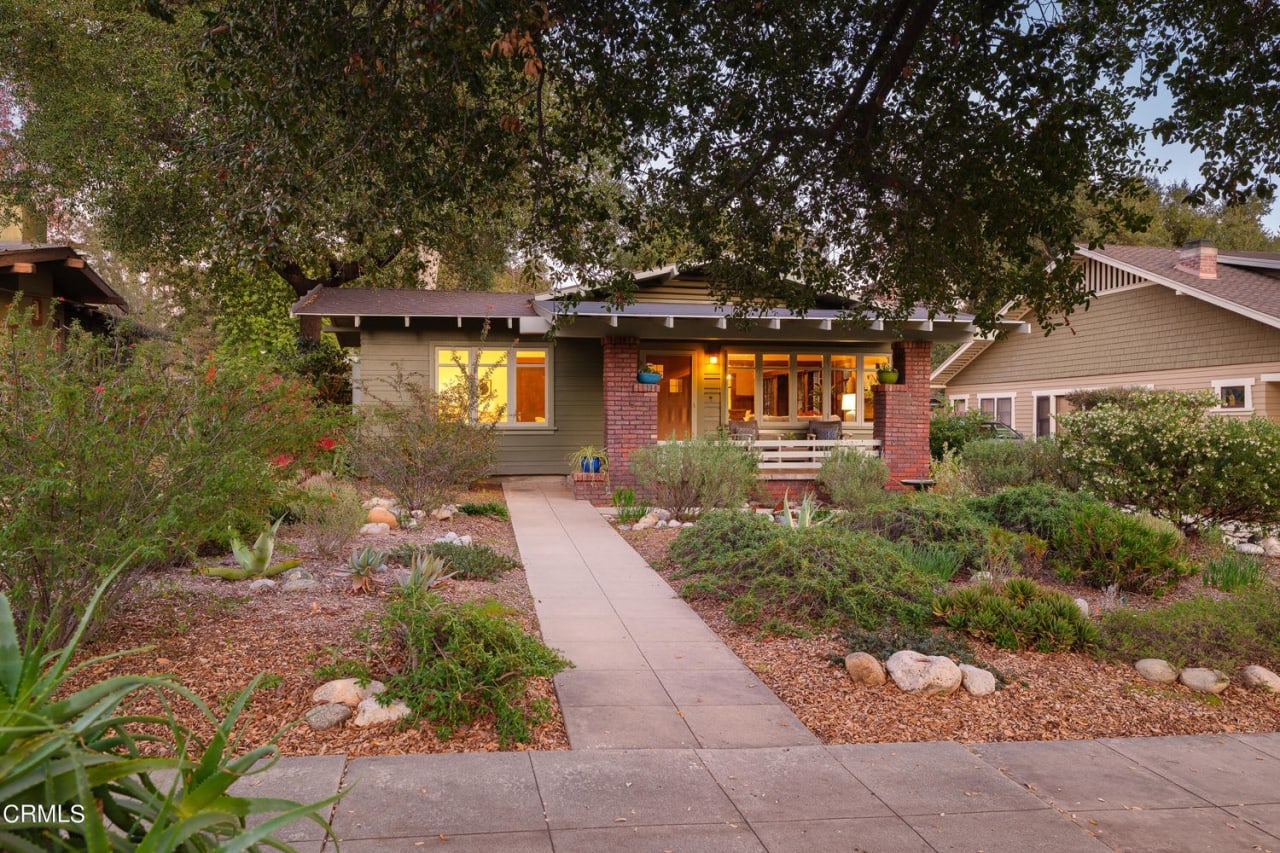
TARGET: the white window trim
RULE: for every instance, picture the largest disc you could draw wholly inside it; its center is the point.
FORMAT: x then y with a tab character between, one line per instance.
1013	406
510	364
1247	383
963	398
793	421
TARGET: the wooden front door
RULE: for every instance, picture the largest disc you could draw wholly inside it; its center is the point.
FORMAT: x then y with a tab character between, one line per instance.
675	396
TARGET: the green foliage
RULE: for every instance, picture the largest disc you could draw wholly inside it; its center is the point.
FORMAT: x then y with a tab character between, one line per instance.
1104	546
76	751
718	537
629	511
473	562
954	432
493	508
255	560
1164	453
822	575
1038	508
362	565
465	661
938	562
1122	397
854	480
689	477
1232	571
427	570
109	450
993	464
1019	614
1223	633
927	641
925	518
808	513
423	449
330	515
950	478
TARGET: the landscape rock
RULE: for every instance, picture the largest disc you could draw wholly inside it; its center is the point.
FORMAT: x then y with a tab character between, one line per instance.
662	514
924	675
385	503
864	669
300	585
375	529
347	691
763	511
444	513
328	716
1271	546
1260	678
977	681
370	713
262	585
1083	605
382	515
1250	548
1154	669
299	575
688	524
660	525
624	526
418	514
1204	680
647	522
465	540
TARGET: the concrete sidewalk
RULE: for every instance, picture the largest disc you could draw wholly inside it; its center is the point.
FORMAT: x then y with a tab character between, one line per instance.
1173	794
677	746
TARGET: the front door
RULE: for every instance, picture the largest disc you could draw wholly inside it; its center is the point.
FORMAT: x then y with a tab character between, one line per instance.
675	396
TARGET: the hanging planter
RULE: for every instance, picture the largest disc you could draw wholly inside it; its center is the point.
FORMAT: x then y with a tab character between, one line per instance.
648	375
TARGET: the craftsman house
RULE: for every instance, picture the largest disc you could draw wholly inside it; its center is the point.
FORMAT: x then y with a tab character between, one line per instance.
58	285
1185	319
791	386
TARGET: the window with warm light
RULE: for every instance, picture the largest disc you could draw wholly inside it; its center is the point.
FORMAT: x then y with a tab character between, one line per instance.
793	388
511	386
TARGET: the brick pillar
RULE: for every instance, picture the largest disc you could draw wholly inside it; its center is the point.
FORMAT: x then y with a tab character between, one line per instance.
630	409
902	414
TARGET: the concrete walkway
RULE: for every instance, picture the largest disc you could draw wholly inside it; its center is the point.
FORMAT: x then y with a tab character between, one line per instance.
678	747
648	672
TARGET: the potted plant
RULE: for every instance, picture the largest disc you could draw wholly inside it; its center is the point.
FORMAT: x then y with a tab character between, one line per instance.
887	374
589	460
648	375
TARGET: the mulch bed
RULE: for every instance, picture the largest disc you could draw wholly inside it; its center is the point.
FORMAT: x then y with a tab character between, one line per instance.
215	637
1045	697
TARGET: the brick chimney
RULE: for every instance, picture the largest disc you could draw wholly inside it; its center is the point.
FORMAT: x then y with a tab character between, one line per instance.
1198	257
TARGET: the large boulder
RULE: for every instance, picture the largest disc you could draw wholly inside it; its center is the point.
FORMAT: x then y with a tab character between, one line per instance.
370	713
924	675
376	528
977	681
1204	680
864	669
1154	669
382	515
347	691
1260	678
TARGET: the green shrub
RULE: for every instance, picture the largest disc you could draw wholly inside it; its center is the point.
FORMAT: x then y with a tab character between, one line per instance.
421	446
1038	508
688	477
1232	571
77	752
1103	546
466	661
821	575
718	537
492	508
329	515
1019	614
936	561
854	480
950	479
473	562
992	464
1165	453
629	510
108	451
947	431
1225	633
925	518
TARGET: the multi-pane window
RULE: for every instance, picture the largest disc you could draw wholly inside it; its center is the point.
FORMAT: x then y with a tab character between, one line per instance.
997	409
504	386
797	387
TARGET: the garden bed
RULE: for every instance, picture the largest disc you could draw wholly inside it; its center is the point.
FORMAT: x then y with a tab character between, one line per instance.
1056	696
216	637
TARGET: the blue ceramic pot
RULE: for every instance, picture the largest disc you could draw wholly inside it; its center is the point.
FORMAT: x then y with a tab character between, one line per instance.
645	378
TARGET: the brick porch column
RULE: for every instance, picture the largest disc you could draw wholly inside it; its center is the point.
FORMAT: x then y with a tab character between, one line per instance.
630	409
902	414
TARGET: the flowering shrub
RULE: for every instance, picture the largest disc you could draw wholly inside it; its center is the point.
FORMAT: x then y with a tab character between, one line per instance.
112	453
1165	453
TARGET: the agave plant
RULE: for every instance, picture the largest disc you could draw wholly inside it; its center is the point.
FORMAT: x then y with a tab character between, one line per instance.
254	562
805	515
362	565
75	768
427	570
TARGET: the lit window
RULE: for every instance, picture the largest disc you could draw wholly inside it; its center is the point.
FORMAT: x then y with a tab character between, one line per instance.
795	388
503	386
1234	394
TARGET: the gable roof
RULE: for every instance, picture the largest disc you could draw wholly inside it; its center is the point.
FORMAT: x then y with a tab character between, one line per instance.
1245	285
73	279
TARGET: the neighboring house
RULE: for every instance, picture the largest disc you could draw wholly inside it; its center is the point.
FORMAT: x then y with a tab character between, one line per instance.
567	375
58	284
1190	319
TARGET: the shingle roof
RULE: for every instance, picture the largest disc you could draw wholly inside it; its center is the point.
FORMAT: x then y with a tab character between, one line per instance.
385	302
1248	289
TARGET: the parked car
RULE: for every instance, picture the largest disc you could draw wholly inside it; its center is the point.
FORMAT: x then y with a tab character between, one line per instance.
999	430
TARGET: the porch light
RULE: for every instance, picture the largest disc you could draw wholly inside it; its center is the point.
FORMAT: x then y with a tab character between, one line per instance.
848	404
714	359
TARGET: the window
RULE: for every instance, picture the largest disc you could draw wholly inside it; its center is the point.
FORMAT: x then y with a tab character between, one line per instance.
796	387
511	386
997	408
1234	395
960	405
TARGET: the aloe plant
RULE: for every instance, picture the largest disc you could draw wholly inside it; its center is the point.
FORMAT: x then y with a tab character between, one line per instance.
806	514
254	562
76	760
427	570
363	563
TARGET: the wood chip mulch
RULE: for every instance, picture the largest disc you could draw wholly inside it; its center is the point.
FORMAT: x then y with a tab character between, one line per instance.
1045	696
215	637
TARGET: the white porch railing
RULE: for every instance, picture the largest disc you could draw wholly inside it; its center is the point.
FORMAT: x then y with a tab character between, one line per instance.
777	453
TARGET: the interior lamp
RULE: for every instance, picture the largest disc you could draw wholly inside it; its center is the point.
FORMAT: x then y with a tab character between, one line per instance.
849	404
